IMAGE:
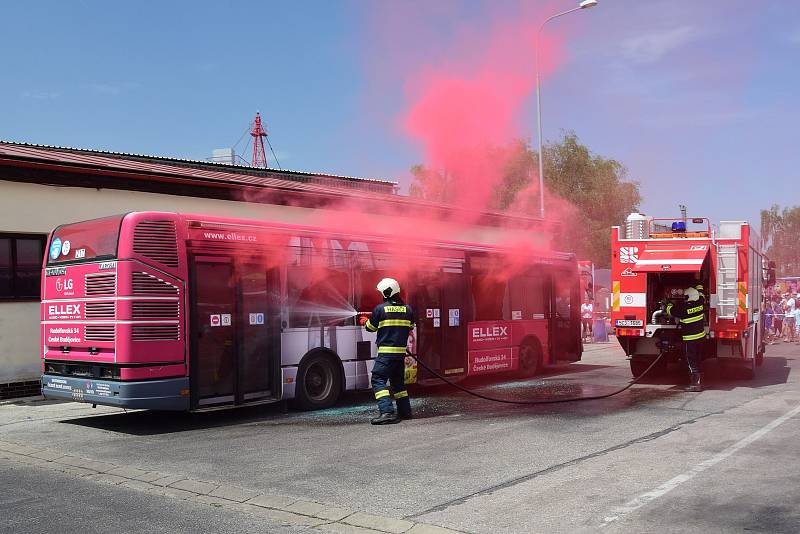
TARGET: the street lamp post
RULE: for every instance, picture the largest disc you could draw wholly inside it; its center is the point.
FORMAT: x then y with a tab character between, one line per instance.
585	4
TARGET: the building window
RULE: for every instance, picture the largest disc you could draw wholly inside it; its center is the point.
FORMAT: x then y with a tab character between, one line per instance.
21	258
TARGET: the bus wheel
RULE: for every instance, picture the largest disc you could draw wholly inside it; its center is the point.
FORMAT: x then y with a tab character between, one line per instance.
530	358
319	382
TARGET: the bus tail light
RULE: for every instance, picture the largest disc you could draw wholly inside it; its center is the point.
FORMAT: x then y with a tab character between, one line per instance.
636	332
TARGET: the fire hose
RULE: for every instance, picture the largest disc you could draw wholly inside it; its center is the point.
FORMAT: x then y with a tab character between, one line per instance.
539	401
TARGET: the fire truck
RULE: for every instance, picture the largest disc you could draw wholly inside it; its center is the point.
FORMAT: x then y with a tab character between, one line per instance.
654	260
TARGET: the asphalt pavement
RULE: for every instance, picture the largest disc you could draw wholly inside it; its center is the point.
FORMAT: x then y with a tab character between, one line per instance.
654	457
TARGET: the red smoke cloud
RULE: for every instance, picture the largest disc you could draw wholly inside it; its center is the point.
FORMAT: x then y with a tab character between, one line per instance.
466	106
469	104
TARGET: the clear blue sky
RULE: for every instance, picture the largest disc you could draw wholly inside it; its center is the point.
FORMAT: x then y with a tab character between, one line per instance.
698	99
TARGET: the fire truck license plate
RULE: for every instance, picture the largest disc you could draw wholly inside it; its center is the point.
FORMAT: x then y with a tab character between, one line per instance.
629	322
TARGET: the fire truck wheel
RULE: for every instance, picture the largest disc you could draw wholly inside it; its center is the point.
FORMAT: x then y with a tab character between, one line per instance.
319	381
530	358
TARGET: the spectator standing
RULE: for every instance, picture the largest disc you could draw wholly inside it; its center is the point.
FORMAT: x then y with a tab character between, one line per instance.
769	316
587	312
797	318
778	319
789	318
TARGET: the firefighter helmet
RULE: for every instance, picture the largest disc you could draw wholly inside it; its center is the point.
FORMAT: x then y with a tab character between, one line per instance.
692	294
388	287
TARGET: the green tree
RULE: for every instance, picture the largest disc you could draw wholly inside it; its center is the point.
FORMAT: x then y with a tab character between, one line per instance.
779	229
594	191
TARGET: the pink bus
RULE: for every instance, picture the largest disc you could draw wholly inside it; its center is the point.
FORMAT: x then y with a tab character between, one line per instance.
188	312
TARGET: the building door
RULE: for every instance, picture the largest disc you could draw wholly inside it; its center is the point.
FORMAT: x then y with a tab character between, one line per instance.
213	357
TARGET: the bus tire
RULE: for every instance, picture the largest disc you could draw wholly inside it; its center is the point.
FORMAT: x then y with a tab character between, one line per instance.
319	381
530	357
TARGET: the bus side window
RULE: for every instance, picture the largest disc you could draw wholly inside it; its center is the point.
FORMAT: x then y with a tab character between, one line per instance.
563	297
488	295
527	296
365	292
318	286
317	297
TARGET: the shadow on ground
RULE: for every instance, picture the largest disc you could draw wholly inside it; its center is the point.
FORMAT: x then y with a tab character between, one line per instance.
430	405
717	376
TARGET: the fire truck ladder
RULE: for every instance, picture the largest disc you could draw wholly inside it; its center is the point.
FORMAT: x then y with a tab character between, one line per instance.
727	281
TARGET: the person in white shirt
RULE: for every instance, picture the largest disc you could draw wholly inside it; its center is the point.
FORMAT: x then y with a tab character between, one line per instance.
796	299
586	319
789	321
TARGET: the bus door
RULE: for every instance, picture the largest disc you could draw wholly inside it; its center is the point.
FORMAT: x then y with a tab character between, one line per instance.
259	333
439	302
454	324
564	316
235	354
427	304
213	344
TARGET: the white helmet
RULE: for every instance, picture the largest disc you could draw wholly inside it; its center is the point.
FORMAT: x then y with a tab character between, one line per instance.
388	287
692	294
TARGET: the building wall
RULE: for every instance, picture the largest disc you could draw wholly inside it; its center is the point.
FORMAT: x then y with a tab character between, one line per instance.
34	208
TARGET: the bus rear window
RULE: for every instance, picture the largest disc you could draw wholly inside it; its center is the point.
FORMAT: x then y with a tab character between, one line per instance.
88	240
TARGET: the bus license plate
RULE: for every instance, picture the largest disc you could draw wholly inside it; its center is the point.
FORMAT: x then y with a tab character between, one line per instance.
630	322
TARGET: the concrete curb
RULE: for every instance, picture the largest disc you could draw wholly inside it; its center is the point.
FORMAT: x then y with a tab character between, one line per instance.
279	508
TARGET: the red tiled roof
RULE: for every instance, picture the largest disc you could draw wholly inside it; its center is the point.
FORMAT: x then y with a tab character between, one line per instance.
139	167
79	158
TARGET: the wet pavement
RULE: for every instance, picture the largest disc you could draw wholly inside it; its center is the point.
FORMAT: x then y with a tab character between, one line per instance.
478	466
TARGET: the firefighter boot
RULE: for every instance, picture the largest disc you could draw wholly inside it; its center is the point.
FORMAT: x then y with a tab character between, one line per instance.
695	384
385	419
403	405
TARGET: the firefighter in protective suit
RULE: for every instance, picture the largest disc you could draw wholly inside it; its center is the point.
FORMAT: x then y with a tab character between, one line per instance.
691	315
392	320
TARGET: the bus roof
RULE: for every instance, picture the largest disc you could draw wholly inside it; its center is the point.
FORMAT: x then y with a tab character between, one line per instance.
214	222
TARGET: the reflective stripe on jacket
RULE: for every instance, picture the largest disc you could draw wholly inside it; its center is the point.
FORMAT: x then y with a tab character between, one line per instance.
690	316
393	320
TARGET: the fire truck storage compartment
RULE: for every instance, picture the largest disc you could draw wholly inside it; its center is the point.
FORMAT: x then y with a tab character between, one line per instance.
669	287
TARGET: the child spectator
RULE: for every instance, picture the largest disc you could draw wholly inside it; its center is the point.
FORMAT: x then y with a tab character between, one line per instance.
769	316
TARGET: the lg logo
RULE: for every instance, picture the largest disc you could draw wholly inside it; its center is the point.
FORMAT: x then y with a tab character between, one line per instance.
61	285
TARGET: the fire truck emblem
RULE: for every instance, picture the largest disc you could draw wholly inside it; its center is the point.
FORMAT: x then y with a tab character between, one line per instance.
628	254
628	272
